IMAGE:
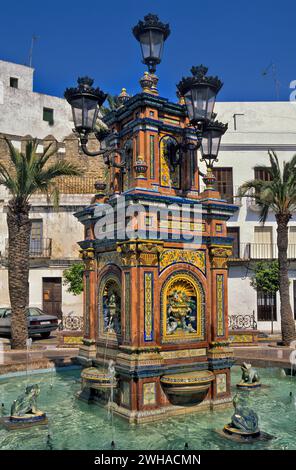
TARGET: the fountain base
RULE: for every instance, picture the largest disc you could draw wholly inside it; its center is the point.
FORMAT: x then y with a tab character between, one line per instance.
248	386
26	421
237	435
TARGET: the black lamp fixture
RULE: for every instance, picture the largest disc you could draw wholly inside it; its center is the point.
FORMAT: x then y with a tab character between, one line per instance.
151	34
85	102
199	92
210	143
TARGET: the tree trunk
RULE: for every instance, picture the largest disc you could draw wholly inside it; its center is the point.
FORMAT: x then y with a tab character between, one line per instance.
19	228
287	320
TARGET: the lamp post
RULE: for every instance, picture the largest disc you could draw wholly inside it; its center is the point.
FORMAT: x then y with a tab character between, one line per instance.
199	92
151	34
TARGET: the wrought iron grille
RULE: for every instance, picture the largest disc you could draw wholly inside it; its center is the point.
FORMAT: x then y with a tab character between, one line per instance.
71	323
242	322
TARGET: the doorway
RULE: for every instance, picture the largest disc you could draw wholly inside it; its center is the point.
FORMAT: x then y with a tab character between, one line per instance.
52	296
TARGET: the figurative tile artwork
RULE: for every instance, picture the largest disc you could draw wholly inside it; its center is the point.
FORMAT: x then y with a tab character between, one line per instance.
125	393
169	175
149	393
110	306
182	309
197	258
221	383
148	311
220	304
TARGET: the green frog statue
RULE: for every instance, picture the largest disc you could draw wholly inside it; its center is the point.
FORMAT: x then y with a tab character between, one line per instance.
244	423
250	377
244	419
24	411
26	403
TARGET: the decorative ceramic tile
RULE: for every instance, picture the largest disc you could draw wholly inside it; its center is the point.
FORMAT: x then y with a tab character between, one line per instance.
127	306
169	177
125	393
221	383
220	304
182	309
197	258
149	393
148	306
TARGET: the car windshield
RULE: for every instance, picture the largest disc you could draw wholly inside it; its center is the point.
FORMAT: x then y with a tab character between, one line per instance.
34	312
2	311
31	312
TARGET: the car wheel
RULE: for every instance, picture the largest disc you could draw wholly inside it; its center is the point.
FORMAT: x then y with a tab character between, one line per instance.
45	335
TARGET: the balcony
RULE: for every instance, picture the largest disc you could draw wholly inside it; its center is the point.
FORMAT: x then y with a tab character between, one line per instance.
260	251
39	248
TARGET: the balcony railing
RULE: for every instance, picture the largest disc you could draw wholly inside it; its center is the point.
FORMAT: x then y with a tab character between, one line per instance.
260	251
39	248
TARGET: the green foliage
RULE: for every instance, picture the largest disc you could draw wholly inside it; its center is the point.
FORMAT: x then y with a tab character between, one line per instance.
266	276
278	194
73	278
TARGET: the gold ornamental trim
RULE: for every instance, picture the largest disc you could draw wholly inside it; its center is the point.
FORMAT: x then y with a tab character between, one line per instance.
196	377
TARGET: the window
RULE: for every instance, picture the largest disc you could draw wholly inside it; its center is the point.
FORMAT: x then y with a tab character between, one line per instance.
36	238
262	248
261	174
48	115
233	232
266	306
292	243
224	183
13	82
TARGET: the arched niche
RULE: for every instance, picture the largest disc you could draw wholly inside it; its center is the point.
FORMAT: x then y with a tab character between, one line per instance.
182	301
109	307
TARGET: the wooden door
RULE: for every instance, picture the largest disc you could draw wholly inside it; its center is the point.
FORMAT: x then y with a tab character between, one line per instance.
52	296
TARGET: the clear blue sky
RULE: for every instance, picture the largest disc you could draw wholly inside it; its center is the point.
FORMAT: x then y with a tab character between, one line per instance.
236	39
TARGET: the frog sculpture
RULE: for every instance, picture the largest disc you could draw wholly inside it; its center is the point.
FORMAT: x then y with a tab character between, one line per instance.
250	377
243	418
24	412
27	402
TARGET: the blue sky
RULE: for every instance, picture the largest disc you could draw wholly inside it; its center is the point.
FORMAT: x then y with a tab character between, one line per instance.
236	39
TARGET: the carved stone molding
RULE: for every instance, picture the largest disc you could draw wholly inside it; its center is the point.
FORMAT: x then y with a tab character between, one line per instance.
140	252
219	256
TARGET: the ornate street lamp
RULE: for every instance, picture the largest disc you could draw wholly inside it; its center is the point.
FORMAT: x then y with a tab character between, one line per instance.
210	143
199	92
85	102
151	34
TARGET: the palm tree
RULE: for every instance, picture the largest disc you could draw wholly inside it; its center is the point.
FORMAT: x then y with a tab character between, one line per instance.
279	195
27	173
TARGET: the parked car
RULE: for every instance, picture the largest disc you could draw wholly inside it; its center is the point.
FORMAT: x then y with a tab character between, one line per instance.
38	322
